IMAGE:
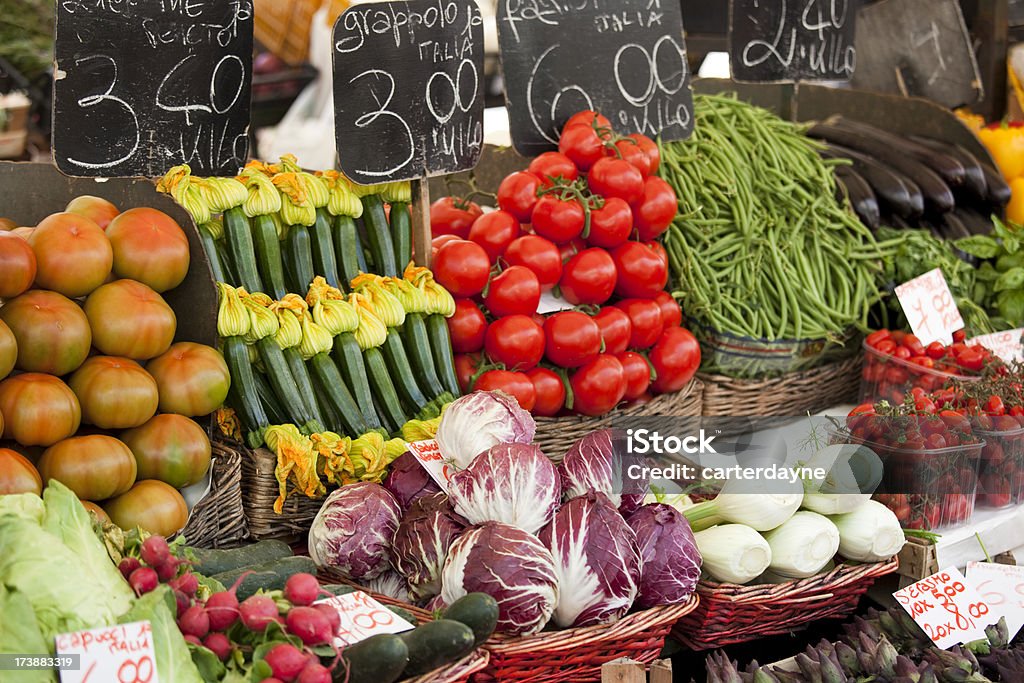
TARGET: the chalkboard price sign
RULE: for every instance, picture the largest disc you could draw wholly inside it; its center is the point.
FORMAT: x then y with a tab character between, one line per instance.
408	89
792	40
623	58
143	85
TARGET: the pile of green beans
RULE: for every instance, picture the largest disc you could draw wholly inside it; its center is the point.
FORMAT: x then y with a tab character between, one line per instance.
761	247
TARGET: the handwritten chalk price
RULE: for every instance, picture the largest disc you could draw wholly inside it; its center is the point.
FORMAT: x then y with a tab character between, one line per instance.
930	308
428	453
114	654
947	608
362	617
1002	587
1007	345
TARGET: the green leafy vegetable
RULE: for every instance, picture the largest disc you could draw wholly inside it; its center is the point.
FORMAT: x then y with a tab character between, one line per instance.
28	506
19	634
173	661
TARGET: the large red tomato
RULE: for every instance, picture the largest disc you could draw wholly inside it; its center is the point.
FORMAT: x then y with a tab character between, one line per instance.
8	350
115	393
149	246
515	341
171	448
152	505
52	332
645	321
539	255
588	277
73	255
572	338
95	467
675	358
598	386
96	209
193	379
129	319
453	216
38	409
641	270
17	265
550	392
17	474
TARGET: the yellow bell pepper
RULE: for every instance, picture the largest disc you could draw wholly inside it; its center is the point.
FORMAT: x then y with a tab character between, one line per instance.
1015	209
1005	142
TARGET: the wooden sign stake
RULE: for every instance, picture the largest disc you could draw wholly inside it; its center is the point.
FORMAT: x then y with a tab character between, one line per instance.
421	222
623	670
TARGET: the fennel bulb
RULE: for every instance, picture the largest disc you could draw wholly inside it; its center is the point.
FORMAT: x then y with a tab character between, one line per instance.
803	545
871	533
851	470
759	511
733	553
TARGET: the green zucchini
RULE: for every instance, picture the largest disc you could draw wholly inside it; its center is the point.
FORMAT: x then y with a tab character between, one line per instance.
338	588
403	613
478	611
234	401
436	643
300	259
271	405
401	234
385	397
347	249
285	387
361	237
236	355
441	348
349	359
324	262
378	236
268	256
417	348
337	394
226	264
332	418
210	562
238	235
401	371
301	376
212	255
266	576
378	659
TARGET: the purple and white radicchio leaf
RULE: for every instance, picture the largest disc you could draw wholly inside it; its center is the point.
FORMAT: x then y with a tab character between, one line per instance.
472	424
510	483
352	532
511	566
408	480
421	543
597	561
391	584
598	462
671	559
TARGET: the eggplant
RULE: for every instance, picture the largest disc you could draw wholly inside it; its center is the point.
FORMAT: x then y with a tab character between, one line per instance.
975	184
999	192
862	197
975	222
893	190
949	169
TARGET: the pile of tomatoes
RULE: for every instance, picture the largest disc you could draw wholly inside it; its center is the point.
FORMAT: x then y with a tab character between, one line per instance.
582	223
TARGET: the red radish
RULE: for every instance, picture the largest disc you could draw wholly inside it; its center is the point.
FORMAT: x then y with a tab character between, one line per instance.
223	607
314	673
257	611
187	583
192	639
309	624
169	569
128	565
182	601
155	551
285	660
143	580
195	621
301	589
271	680
333	618
219	644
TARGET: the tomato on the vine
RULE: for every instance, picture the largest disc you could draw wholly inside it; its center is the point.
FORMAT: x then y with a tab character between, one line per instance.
671	314
494	231
549	390
614	177
641	271
440	241
462	267
571	248
453	216
467	327
588	277
515	290
615	329
582	144
572	338
515	341
551	166
675	357
517	194
631	152
515	384
611	224
645	321
598	386
588	118
653	213
540	255
558	220
466	365
636	372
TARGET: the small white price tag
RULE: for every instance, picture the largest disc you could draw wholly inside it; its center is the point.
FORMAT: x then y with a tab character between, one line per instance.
113	654
1007	345
429	455
362	617
1002	587
947	608
930	308
549	303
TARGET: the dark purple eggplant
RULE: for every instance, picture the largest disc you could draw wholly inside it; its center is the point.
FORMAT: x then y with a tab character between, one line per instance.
894	191
999	192
974	181
862	197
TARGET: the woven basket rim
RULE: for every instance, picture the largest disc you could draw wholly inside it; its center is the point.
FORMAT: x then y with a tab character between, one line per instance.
802	375
692	387
795	590
459	670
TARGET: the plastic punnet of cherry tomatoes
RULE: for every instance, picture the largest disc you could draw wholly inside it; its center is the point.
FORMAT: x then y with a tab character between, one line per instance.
453	216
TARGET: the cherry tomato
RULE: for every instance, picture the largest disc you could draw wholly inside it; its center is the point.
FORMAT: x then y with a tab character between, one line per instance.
515	341
971	358
549	390
914	344
653	213
582	144
588	118
517	194
642	273
614	177
588	277
874	338
955	422
637	374
645	319
494	231
615	329
671	314
611	224
676	358
959	336
453	216
559	221
515	384
462	267
995	406
936	350
902	352
552	166
598	386
886	347
570	249
516	290
440	241
572	338
466	365
467	327
650	148
539	255
630	151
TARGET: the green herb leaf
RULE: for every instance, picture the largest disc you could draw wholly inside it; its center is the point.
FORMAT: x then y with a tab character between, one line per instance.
981	246
1013	279
1011	306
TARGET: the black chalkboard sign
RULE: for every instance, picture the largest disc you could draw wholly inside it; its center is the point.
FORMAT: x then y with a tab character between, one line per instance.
408	89
623	58
143	85
792	40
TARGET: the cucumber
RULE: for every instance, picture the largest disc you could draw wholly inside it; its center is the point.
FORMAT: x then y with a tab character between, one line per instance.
417	348
390	408
268	256
324	262
300	259
210	562
378	659
403	613
378	236
337	394
401	234
349	359
338	588
478	611
441	348
238	236
267	576
436	643
347	249
401	371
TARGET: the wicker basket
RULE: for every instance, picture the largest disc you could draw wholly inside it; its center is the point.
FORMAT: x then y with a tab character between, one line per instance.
218	520
259	491
556	434
283	27
790	395
736	614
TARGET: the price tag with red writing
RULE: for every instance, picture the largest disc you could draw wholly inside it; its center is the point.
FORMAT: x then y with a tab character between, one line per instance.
114	654
429	455
1008	345
947	608
930	308
362	617
1002	587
